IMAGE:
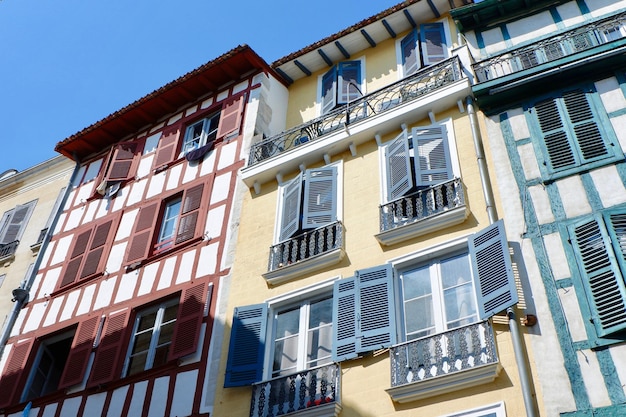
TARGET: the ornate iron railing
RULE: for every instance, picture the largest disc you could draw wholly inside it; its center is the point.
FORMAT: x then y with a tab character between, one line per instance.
406	90
299	391
577	40
422	204
443	354
42	236
8	249
307	245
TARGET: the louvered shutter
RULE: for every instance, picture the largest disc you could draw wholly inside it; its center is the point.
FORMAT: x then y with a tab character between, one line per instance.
141	240
290	210
348	81
190	209
397	158
108	358
79	248
558	146
410	53
16	224
320	197
93	259
433	43
166	151
376	326
329	90
247	346
584	125
78	357
188	321
122	162
10	381
345	301
230	117
603	282
431	155
493	272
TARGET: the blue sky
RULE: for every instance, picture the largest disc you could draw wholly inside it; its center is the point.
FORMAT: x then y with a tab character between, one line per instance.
65	64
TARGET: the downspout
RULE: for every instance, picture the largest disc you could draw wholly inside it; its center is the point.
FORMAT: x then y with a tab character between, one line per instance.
516	338
21	295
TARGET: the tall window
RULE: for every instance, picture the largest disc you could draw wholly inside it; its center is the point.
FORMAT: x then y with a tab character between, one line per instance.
341	84
168	224
201	133
423	46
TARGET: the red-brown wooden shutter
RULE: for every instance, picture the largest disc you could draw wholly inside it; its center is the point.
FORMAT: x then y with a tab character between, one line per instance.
78	357
121	165
167	148
11	378
140	241
76	258
108	359
93	259
230	118
189	320
190	210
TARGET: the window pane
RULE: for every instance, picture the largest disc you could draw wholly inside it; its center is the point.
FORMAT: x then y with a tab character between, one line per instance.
319	345
285	355
321	313
142	342
137	363
146	321
416	283
419	317
170	218
165	335
287	323
458	291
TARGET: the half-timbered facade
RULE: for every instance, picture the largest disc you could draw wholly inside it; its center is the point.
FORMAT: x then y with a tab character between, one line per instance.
122	317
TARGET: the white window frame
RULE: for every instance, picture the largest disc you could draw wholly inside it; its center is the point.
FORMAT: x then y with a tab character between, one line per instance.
206	133
497	408
362	87
400	66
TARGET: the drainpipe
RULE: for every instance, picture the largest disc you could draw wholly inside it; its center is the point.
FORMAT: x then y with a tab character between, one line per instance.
21	294
516	338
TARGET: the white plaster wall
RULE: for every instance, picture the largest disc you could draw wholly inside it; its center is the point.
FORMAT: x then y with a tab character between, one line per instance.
556	256
35	317
214	221
85	302
611	94
49	282
573	196
116	258
571	309
602	7
619	127
165	278
618	354
136	192
173	179
70	305
117	402
541	203
184	390
221	188
609	186
158	402
128	283
493	41
208	260
531	28
139	396
126	224
53	312
157	183
186	265
147	278
74	218
517	120
227	155
105	293
570	14
528	158
191	171
592	377
50	410
208	164
61	249
70	407
95	404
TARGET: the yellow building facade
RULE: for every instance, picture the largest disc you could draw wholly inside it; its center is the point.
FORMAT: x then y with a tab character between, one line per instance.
359	249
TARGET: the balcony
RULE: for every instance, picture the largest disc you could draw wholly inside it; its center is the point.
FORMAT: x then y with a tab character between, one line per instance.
439	206
37	245
433	89
314	392
309	251
442	363
7	251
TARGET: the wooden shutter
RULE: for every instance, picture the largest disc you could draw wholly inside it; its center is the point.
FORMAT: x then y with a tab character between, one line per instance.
122	163
108	357
329	90
230	117
190	209
344	319
376	326
188	321
141	239
397	158
433	42
320	197
432	155
16	223
166	151
10	382
290	209
247	346
79	248
602	280
558	146
410	53
78	357
349	81
493	272
103	234
584	125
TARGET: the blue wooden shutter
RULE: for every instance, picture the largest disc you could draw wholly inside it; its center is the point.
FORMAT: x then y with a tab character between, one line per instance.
344	319
290	209
433	42
376	327
329	90
397	158
584	125
410	53
602	280
348	81
493	272
247	346
432	155
320	197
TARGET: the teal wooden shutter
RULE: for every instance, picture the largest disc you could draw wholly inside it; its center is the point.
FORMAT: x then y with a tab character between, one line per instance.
433	43
320	197
247	346
329	90
431	155
376	327
348	81
290	209
493	272
410	53
602	280
584	126
344	319
399	178
559	149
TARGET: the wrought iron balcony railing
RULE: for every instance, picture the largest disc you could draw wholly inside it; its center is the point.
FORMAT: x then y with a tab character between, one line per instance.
8	249
578	40
422	204
448	353
306	246
300	391
411	88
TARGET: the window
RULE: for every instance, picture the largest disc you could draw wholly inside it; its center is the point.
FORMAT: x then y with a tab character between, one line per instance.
120	166
573	133
201	133
151	338
341	84
422	47
14	221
